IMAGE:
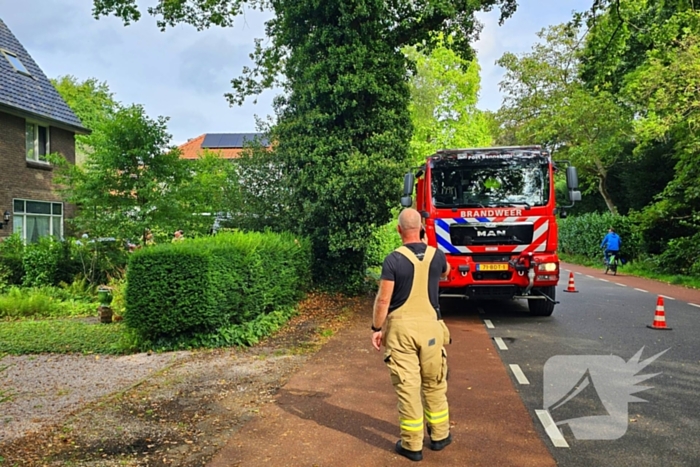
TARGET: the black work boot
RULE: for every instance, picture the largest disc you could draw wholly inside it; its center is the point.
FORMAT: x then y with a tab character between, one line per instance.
440	445
412	455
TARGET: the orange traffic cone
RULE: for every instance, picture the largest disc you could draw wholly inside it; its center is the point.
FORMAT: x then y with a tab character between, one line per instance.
572	286
659	316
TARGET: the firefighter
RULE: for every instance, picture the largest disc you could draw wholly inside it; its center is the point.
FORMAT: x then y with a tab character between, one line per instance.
406	321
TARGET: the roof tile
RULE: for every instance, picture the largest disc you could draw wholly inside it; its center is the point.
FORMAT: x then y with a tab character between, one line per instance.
33	94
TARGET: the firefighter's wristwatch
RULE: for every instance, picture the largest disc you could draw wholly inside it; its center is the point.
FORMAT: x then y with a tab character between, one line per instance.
375	329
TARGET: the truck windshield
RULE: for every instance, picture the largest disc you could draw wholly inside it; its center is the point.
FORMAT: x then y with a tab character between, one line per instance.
505	180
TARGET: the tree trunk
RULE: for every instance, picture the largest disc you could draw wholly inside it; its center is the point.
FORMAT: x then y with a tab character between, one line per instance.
606	196
602	189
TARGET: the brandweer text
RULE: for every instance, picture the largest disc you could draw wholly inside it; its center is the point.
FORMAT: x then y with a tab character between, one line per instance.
493	213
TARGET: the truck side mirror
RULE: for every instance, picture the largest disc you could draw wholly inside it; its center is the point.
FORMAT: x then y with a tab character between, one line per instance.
572	178
408	182
574	195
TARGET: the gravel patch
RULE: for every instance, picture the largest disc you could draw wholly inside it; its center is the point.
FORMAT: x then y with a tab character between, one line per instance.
39	390
152	410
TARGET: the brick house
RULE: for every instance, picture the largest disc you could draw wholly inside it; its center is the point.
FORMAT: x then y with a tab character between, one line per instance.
34	121
227	145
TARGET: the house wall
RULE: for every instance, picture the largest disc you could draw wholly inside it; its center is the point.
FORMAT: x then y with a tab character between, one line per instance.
22	179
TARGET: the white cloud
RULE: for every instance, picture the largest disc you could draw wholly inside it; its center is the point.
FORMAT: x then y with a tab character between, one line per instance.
517	35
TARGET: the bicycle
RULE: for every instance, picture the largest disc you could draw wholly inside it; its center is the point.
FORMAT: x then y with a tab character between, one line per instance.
612	263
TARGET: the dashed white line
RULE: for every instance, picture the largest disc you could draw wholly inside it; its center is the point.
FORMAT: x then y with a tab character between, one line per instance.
499	342
518	373
604	280
694	304
621	285
641	290
590	276
551	428
489	324
666	296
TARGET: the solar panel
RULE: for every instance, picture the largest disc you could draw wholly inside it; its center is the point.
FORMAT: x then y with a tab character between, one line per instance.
230	140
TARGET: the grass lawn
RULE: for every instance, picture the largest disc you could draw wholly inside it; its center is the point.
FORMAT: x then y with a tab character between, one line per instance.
72	335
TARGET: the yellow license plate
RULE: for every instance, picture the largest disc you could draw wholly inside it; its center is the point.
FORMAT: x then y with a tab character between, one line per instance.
492	267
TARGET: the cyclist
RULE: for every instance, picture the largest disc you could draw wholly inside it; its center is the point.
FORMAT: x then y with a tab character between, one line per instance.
612	243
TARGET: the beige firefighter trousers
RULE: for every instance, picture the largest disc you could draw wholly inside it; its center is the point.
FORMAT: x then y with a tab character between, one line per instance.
417	360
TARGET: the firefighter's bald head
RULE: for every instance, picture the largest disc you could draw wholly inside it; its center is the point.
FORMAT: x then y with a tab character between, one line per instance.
409	221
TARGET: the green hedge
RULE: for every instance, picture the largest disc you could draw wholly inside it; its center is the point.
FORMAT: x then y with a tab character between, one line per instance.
11	254
582	235
200	285
385	239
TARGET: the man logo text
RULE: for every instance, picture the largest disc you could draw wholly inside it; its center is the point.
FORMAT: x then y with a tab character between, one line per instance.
491	233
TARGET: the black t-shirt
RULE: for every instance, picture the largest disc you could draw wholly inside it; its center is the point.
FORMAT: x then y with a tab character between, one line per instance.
399	269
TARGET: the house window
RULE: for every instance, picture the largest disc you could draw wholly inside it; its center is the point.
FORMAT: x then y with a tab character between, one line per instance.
36	219
37	142
16	62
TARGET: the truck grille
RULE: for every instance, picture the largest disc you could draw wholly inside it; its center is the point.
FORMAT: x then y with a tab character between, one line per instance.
494	234
494	292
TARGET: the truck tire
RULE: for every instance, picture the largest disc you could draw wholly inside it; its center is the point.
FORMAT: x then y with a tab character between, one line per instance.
543	307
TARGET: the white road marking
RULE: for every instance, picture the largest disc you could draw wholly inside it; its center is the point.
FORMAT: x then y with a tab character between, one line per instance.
666	296
621	285
590	276
604	280
641	290
552	429
489	324
499	342
519	375
694	304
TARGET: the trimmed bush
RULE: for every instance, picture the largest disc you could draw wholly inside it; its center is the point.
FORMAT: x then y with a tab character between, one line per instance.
11	253
40	262
581	235
200	285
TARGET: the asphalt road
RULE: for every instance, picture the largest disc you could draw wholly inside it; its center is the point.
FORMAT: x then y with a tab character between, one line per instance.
593	340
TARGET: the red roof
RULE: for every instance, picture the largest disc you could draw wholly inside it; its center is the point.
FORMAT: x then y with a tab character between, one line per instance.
193	149
226	145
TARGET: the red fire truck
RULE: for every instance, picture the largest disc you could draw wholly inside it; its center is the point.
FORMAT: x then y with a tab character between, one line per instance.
492	211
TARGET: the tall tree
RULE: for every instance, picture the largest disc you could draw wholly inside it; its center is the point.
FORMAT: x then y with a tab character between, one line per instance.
547	103
666	92
444	92
645	53
92	102
622	33
343	125
130	180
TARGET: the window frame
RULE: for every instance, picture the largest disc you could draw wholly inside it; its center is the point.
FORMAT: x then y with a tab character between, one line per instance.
37	159
19	218
7	54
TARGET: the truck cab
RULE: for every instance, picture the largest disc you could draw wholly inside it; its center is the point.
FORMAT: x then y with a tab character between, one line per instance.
492	211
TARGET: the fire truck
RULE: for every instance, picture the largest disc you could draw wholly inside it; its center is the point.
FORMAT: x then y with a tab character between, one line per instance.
492	211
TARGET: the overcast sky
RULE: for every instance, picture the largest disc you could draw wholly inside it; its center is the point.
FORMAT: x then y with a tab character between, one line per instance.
183	73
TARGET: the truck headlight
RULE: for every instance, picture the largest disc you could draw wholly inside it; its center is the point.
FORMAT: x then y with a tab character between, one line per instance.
547	267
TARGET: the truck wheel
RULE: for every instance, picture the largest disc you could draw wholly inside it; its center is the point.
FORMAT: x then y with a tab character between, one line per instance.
543	307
